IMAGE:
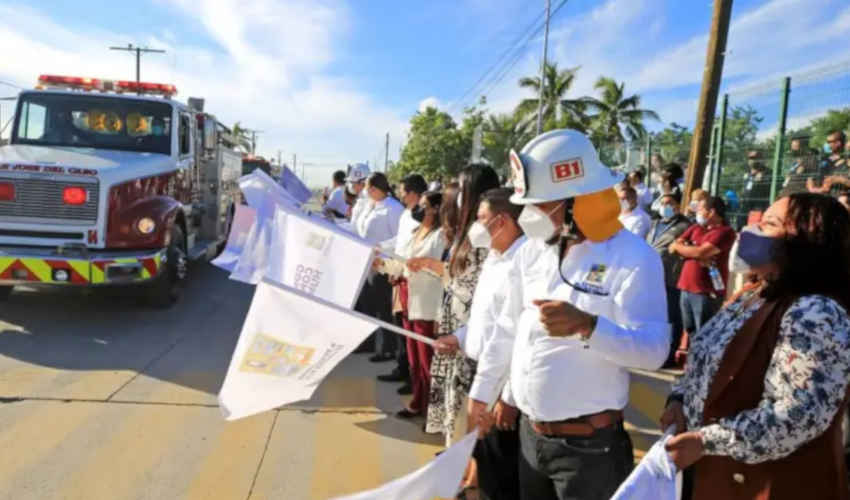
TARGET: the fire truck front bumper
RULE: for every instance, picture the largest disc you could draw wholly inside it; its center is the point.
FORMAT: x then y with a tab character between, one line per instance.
77	265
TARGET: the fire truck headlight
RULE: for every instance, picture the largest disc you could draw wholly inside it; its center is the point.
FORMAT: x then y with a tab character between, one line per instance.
146	225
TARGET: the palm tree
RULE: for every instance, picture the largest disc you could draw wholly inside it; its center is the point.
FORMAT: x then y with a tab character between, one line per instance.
501	134
615	113
243	138
558	111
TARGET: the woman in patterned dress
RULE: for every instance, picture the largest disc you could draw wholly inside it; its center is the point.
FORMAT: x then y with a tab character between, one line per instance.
758	411
451	374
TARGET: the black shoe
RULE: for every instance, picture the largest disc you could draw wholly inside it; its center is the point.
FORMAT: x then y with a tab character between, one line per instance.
381	358
405	390
406	413
393	376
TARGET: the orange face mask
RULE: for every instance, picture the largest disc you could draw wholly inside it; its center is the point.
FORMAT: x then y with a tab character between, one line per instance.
596	214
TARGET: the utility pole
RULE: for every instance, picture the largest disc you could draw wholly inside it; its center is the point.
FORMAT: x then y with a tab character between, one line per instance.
543	70
711	79
254	139
387	153
139	51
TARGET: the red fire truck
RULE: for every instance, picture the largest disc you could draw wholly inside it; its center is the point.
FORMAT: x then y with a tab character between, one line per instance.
112	183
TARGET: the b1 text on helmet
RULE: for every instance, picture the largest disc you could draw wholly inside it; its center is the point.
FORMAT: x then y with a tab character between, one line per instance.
567	170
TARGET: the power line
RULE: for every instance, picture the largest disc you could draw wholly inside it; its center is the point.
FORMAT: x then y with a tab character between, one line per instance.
500	58
139	51
517	52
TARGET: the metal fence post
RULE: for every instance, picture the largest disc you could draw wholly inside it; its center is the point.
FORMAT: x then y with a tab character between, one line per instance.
721	144
780	138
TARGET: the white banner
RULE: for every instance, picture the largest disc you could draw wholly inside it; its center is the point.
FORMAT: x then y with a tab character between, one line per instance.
288	345
243	218
294	186
440	477
316	257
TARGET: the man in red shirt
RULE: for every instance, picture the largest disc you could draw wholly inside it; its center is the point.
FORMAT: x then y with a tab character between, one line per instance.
705	249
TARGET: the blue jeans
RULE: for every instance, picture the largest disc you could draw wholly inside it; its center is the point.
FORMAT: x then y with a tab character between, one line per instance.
697	309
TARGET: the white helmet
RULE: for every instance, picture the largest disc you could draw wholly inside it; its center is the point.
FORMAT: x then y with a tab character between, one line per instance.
557	165
358	173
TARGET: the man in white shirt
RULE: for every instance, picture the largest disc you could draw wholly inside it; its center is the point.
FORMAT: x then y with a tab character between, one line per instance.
586	302
644	195
496	228
412	188
378	222
633	217
356	181
335	204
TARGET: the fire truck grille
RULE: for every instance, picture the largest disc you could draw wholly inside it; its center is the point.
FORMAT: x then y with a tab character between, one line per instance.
42	199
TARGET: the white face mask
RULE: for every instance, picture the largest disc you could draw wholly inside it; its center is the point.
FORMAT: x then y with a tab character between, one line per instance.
625	206
536	223
479	236
701	220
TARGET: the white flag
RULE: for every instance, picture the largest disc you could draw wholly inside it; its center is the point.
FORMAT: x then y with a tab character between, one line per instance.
258	186
243	218
439	478
288	345
655	477
294	186
316	257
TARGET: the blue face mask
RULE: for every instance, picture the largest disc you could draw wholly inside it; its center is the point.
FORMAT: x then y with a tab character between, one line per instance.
667	211
756	249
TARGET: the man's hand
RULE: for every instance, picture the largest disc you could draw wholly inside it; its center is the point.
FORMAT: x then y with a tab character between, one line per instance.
506	416
561	319
479	416
447	344
416	264
672	247
674	414
685	449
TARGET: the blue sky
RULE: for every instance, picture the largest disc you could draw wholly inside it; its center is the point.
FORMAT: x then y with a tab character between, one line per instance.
326	79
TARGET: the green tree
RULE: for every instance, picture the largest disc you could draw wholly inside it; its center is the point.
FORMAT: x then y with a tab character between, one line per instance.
740	137
673	143
558	111
501	134
616	113
435	147
835	119
243	138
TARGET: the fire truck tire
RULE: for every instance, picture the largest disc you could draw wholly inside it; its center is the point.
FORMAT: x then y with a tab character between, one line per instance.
5	291
167	288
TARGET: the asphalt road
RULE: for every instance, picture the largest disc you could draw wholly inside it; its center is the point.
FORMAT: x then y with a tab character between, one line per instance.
102	397
105	398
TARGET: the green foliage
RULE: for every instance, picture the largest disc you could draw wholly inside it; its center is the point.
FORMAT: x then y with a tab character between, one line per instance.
435	147
673	143
835	119
558	111
616	113
501	134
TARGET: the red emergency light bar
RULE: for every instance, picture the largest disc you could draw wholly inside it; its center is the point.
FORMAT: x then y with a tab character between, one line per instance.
80	83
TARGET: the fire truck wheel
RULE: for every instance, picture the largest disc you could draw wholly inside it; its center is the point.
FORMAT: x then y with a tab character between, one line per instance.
5	291
166	289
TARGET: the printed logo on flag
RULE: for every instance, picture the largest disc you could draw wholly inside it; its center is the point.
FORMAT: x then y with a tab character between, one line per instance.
307	279
317	241
270	356
566	170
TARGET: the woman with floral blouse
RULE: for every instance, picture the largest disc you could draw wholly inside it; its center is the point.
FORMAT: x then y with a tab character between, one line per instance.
758	411
451	374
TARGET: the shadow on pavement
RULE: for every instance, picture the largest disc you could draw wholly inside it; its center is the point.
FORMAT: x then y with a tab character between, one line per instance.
402	430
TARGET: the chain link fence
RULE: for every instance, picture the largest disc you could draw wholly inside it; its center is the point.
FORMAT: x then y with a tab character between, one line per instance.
770	140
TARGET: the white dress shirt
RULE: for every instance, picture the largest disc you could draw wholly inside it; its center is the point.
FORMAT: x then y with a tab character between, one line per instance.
361	206
407	225
487	304
336	201
425	290
379	221
557	378
637	222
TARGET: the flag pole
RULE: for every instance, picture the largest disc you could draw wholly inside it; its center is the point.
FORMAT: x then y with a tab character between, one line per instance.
364	317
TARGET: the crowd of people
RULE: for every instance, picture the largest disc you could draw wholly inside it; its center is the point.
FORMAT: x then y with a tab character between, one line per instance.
542	294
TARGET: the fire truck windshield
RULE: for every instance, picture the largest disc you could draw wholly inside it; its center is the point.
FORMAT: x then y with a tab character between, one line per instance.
87	121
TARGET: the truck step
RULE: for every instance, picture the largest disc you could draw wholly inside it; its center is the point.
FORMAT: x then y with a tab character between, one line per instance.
203	250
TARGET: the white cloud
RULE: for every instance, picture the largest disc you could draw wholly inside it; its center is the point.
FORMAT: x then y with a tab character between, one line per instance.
248	75
429	102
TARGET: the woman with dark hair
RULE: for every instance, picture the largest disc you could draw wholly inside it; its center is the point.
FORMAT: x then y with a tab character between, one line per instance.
420	294
758	411
451	374
449	214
